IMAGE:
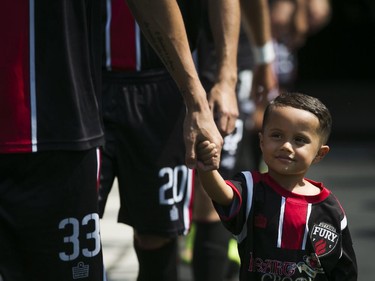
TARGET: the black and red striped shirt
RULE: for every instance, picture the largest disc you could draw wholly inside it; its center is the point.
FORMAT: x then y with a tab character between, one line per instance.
126	49
287	236
50	75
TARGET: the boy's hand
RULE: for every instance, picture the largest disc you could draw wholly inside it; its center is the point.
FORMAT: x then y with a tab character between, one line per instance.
207	155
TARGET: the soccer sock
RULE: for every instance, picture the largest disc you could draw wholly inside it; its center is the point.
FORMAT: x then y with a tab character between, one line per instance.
186	253
210	255
157	264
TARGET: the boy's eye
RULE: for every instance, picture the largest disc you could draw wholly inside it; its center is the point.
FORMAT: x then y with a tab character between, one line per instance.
301	140
275	135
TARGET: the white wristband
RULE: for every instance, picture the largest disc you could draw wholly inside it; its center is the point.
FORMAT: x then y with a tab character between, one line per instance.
264	54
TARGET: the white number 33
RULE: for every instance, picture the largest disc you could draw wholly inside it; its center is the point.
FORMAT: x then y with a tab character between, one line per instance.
73	239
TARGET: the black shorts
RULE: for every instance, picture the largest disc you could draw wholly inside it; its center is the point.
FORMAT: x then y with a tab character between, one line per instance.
144	149
49	224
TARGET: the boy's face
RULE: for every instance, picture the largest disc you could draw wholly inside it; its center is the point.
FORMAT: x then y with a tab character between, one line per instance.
291	142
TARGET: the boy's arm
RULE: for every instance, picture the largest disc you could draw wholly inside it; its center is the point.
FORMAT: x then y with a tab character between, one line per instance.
216	187
212	181
346	268
162	24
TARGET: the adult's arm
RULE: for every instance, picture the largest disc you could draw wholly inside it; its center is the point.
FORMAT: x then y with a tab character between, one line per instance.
224	16
256	19
162	24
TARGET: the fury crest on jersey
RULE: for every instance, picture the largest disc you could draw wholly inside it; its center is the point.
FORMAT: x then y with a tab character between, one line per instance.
324	238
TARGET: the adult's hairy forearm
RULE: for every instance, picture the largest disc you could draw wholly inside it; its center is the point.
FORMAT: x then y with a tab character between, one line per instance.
256	20
162	24
225	25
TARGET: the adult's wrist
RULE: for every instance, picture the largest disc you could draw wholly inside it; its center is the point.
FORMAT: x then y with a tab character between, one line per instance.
195	98
264	54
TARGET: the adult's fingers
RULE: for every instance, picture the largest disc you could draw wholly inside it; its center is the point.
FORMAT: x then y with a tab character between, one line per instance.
190	155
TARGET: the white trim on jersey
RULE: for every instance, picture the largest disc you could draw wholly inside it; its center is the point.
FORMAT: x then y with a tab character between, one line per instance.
33	116
108	59
98	164
309	206
137	30
281	222
186	208
344	223
250	191
138	47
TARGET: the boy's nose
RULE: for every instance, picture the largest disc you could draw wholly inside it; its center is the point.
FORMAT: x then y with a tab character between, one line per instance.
287	146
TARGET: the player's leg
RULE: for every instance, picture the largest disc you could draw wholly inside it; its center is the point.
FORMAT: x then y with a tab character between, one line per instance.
108	169
51	205
11	267
155	184
210	261
157	256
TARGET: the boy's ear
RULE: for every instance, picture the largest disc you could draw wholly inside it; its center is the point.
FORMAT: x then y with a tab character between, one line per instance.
323	150
260	135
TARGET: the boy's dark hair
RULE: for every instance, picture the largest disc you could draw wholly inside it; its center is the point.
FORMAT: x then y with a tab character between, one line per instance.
304	102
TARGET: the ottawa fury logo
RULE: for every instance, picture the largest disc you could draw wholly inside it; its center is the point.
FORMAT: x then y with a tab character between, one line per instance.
324	238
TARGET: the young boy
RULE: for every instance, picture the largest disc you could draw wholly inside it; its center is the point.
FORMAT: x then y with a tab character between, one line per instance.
287	227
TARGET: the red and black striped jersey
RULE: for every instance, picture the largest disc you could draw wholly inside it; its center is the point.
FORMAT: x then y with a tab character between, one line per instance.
126	49
50	75
286	236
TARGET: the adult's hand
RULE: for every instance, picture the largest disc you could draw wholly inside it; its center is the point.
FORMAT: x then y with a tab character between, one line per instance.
223	103
224	16
264	89
264	83
199	126
162	24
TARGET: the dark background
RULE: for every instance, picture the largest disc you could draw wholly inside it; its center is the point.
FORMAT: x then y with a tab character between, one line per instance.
337	65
